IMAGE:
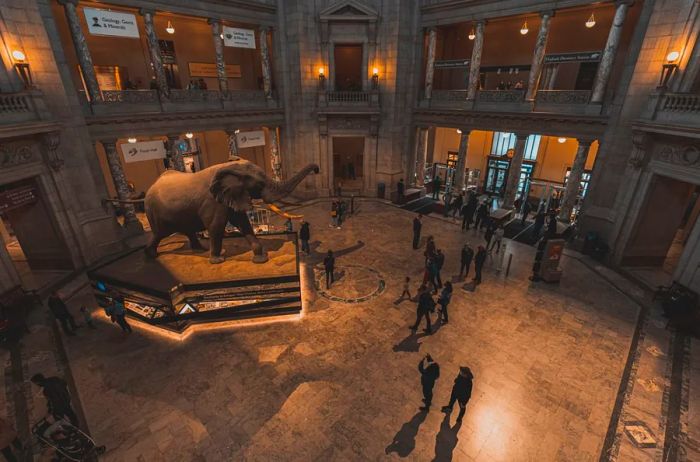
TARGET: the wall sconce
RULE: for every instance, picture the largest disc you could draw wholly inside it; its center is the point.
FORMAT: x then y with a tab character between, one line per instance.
170	29
189	135
375	78
321	77
22	68
591	21
524	30
669	68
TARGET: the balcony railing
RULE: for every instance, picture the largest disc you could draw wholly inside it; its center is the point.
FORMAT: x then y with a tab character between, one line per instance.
674	108
563	97
680	102
449	95
500	96
21	107
347	97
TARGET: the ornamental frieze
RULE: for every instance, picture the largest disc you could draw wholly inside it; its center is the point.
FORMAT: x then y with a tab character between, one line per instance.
685	155
17	153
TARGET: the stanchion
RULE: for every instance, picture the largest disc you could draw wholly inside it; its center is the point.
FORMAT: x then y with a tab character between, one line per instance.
502	255
510	260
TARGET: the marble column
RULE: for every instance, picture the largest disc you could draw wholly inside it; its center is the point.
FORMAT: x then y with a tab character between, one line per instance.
574	181
174	154
219	51
461	161
516	164
120	182
275	156
82	50
232	143
430	63
475	63
607	60
538	55
265	60
421	154
154	50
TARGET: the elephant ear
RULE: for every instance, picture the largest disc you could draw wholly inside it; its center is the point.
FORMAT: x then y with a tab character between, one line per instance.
228	188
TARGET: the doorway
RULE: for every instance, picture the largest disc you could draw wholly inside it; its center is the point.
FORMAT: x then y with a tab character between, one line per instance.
30	236
586	76
348	67
348	163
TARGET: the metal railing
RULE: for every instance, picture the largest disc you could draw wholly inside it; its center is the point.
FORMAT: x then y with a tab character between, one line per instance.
347	96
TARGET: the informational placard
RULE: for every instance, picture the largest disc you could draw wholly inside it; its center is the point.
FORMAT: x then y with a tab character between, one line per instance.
233	71
451	63
144	150
578	57
17	197
239	38
114	23
250	139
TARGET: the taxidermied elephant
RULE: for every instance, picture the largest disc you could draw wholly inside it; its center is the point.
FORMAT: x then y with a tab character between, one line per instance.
188	203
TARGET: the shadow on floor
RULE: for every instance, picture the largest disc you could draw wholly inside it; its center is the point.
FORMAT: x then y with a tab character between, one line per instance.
446	440
405	439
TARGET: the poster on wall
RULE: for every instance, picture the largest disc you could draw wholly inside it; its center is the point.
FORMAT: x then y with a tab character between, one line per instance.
239	38
233	71
578	57
143	150
114	23
250	139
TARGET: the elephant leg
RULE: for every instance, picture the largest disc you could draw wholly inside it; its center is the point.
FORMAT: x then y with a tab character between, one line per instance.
194	242
240	220
216	236
152	247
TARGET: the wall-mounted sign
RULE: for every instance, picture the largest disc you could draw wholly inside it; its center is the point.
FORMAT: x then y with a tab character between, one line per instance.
144	150
233	71
579	57
239	38
17	197
104	22
451	63
250	139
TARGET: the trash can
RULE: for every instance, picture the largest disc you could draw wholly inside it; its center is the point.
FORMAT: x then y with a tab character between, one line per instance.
381	189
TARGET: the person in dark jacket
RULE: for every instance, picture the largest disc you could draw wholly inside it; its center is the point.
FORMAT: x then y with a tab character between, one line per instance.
539	223
436	187
60	311
481	214
417	225
305	235
400	191
465	260
439	263
329	265
429	373
423	309
479	260
468	210
552	224
490	229
429	248
431	271
461	392
444	301
57	397
525	212
456	206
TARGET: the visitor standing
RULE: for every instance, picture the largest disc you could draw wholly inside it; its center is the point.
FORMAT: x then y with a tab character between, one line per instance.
479	260
429	373
10	440
539	223
417	225
400	191
305	235
424	307
461	392
334	214
117	312
552	224
329	266
439	263
341	212
465	260
468	210
432	272
289	226
444	301
436	187
447	198
525	212
60	311
481	214
406	289
429	248
57	396
497	238
490	229
457	205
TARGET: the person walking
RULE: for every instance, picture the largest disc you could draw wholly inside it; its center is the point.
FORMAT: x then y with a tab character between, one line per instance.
334	214
456	206
432	273
539	223
479	260
117	312
552	224
417	225
429	373
465	260
9	440
399	191
57	396
439	263
444	301
436	187
329	266
60	311
525	212
406	289
490	229
497	238
481	214
461	392
305	235
429	248
424	307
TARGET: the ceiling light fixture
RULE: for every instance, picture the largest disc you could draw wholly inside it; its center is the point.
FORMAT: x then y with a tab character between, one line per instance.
524	30
170	29
562	140
472	34
591	21
131	140
189	135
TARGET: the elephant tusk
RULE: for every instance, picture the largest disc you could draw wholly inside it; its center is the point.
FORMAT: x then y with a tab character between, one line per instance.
281	212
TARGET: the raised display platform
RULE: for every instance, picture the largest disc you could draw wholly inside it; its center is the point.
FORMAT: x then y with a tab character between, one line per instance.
181	289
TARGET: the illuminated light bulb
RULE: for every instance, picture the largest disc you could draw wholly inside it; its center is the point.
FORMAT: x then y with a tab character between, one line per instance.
320	71
562	140
170	29
472	35
672	56
222	36
189	135
524	30
591	21
459	131
18	55
132	140
375	71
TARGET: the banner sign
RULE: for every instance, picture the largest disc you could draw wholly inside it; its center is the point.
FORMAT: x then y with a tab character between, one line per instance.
250	139
144	150
580	57
451	63
17	197
104	22
233	71
239	38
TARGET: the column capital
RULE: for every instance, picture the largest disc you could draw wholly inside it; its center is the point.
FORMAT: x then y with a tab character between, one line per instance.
264	28
430	29
465	131
585	141
108	142
624	2
212	21
549	13
479	22
173	136
68	2
521	136
147	11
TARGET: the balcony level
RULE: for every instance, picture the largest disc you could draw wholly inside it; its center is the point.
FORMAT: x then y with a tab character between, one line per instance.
677	110
22	108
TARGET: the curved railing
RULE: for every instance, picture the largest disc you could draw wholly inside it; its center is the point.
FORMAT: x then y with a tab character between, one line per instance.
563	96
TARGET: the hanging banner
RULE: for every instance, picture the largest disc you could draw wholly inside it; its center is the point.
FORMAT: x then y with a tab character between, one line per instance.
250	139
578	57
239	38
17	197
104	22
451	63
233	71
144	150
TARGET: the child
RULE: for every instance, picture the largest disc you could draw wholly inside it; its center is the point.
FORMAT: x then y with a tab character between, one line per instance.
405	288
87	316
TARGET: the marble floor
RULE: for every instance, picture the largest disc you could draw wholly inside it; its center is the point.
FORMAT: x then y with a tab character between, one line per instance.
342	383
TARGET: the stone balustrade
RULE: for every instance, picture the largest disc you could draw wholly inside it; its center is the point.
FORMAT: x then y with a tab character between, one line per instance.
563	97
20	107
500	96
347	97
674	108
449	95
680	102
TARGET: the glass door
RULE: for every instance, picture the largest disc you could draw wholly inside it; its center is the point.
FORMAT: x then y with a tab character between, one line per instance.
496	176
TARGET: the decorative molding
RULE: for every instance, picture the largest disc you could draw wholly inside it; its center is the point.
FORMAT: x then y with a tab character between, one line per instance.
16	153
500	96
687	155
50	142
562	96
348	11
349	123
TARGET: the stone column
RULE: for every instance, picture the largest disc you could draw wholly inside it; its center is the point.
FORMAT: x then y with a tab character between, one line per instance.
154	50
461	161
430	62
538	55
175	157
516	164
574	181
607	59
219	51
275	157
475	64
265	60
421	154
81	50
232	143
119	179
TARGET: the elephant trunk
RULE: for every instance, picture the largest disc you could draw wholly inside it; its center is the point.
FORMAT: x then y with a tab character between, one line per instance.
275	190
